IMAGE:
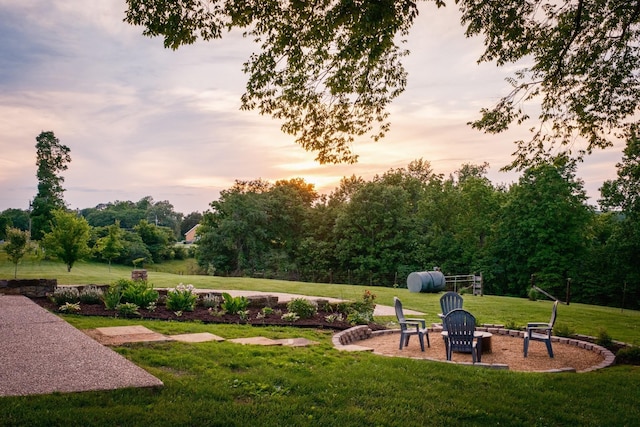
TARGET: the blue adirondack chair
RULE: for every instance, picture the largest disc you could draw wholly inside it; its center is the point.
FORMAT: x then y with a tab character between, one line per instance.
461	328
449	301
541	332
409	327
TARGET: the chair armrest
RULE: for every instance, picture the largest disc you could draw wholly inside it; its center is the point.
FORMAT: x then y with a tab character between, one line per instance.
440	315
416	321
538	326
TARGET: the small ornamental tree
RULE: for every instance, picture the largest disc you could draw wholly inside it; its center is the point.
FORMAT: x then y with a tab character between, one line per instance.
110	246
16	246
68	237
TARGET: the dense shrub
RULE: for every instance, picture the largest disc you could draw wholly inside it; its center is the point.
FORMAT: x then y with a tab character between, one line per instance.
361	312
91	295
563	330
304	308
182	298
65	294
112	296
138	292
604	339
234	305
629	355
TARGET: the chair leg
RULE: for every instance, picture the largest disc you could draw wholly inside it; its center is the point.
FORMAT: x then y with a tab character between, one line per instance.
401	340
421	337
549	349
526	345
479	350
427	334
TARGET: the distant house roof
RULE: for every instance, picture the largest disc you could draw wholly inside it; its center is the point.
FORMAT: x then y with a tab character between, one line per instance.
190	236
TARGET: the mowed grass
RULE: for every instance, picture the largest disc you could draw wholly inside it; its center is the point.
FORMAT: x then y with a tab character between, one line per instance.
226	384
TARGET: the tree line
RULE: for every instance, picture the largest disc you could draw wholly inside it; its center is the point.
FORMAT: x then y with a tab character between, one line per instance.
539	230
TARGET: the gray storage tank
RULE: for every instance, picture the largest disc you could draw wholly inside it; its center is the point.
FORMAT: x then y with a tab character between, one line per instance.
426	281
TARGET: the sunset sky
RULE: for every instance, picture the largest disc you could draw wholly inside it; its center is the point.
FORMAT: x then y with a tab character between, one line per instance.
142	120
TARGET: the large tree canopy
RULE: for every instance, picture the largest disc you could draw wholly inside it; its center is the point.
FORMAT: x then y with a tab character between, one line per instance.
329	68
326	68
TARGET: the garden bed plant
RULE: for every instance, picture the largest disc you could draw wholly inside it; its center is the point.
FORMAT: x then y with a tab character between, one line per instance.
138	299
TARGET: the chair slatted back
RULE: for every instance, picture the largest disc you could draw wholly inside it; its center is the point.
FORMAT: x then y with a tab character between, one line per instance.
461	326
554	314
450	301
398	306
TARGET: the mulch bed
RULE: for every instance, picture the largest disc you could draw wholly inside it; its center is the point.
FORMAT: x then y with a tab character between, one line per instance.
205	316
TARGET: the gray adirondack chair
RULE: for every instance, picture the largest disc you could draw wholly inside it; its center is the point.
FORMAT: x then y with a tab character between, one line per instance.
461	328
541	332
449	301
409	327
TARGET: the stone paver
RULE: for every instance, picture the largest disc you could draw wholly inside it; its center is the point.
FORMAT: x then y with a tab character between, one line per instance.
354	347
255	341
132	334
196	337
113	331
296	342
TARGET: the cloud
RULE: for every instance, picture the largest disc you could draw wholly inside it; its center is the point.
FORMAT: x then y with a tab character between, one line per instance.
143	120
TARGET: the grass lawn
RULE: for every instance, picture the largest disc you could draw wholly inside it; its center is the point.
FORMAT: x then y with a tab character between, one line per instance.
225	384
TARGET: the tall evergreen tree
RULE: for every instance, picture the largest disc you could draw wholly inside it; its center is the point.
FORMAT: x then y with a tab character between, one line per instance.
52	158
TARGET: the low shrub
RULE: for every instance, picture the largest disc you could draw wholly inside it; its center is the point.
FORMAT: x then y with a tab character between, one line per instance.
603	338
290	317
334	317
70	307
211	301
628	355
303	307
361	312
512	325
65	294
563	330
532	294
138	292
233	305
128	309
182	298
91	295
111	298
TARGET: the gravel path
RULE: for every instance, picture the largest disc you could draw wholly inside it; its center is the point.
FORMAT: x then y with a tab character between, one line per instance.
40	353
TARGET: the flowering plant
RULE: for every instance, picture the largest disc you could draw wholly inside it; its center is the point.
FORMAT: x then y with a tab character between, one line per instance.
182	298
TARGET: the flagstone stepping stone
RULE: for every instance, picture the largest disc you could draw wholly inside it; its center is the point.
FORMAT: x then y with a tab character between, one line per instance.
296	342
197	337
129	334
354	347
255	341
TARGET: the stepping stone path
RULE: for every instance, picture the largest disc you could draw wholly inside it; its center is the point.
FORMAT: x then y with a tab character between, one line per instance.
117	335
199	337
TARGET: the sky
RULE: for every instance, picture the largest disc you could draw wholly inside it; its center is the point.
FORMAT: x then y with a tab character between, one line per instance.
141	120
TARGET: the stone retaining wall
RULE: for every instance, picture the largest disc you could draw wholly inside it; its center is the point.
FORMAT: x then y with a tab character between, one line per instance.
32	288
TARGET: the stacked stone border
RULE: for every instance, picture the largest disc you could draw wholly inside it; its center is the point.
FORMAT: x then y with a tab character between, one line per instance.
33	288
347	341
